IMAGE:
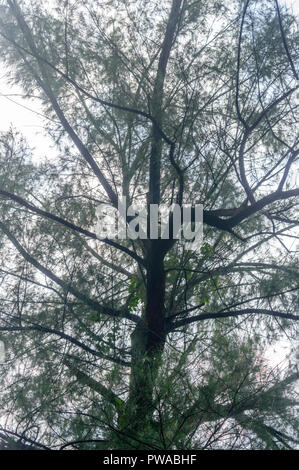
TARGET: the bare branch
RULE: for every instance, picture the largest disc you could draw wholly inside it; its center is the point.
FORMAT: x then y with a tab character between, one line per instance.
235	313
70	225
284	40
93	304
62	335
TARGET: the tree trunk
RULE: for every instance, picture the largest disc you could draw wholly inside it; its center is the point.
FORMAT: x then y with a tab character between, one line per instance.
148	341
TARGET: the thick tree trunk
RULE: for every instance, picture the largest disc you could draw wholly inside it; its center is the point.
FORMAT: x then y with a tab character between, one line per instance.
148	341
148	338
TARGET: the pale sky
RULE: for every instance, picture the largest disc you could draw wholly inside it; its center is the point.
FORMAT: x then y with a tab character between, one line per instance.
23	115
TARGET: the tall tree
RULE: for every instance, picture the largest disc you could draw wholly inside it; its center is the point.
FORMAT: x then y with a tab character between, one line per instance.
112	343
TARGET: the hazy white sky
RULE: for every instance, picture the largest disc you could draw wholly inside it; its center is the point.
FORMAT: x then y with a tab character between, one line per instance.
23	115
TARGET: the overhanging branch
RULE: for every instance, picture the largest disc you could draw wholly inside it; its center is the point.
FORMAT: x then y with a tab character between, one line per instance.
93	304
231	314
70	225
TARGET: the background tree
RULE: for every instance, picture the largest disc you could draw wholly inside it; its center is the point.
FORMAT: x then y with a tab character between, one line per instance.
145	344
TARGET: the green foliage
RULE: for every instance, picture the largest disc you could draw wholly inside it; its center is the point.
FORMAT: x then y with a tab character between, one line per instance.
135	293
78	315
206	250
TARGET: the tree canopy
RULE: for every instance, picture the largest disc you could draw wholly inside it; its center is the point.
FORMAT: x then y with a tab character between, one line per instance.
146	344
